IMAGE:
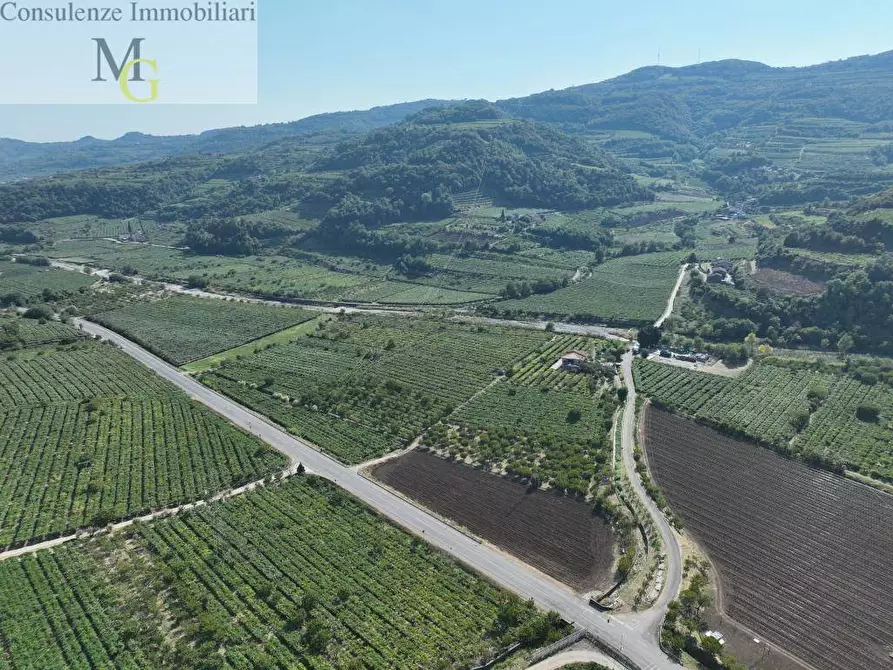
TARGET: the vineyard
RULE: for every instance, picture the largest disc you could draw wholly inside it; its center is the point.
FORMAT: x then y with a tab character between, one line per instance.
538	369
627	291
363	386
558	535
181	329
805	412
29	333
297	575
87	436
268	276
804	556
29	282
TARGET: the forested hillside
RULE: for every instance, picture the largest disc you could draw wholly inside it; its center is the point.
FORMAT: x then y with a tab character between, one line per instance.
692	103
661	111
30	159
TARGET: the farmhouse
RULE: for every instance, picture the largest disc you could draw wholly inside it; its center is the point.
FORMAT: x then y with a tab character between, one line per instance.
573	361
719	275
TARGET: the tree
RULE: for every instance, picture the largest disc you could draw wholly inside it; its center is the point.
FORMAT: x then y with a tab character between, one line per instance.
649	337
750	344
868	412
845	344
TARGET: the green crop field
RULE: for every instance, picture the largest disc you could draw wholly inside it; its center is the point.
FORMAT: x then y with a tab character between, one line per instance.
271	276
295	575
628	291
182	329
433	295
88	436
366	385
87	227
18	332
558	438
30	282
805	412
538	370
542	424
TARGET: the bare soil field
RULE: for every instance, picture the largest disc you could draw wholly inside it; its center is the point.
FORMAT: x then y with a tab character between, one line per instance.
805	558
558	535
785	283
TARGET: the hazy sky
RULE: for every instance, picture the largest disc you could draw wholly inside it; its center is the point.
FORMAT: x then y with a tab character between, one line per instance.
329	55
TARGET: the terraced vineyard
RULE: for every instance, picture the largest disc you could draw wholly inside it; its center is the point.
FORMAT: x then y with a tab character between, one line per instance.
181	329
804	412
29	282
298	575
628	291
804	556
364	385
88	436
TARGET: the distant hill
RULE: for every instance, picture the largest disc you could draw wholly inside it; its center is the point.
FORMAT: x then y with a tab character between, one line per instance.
692	103
19	159
678	113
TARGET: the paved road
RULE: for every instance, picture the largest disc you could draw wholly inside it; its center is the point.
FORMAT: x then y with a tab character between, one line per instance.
649	622
634	641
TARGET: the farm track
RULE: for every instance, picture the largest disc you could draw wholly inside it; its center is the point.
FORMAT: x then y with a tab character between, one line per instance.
672	300
636	642
121	525
810	575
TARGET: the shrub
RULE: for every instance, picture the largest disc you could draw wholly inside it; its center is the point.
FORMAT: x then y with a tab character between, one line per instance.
868	412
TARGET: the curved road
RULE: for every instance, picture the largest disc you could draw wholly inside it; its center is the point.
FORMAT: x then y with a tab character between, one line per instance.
648	622
631	637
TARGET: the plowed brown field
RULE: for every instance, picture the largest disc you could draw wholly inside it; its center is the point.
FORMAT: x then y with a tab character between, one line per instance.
557	535
805	558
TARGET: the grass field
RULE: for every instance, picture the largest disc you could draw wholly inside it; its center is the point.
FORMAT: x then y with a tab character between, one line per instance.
88	436
296	575
804	412
182	329
30	282
627	291
365	385
281	337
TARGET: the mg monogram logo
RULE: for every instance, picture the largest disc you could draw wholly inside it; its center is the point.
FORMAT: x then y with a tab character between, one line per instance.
128	70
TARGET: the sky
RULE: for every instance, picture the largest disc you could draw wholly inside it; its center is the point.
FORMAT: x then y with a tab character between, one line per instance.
331	55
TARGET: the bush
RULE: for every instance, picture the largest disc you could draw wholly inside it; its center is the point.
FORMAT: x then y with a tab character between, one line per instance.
39	312
868	412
